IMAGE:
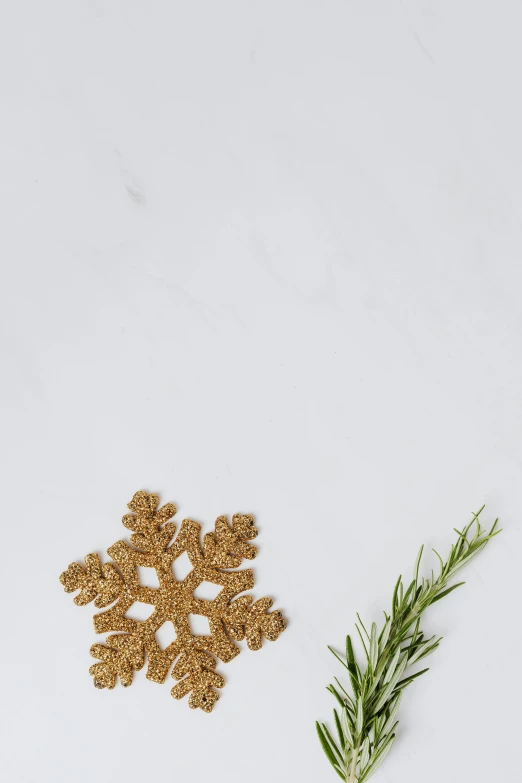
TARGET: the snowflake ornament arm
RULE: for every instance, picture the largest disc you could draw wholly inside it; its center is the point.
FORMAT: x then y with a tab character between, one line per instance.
173	601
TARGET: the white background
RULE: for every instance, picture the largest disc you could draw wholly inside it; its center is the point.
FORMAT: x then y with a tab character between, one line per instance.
261	256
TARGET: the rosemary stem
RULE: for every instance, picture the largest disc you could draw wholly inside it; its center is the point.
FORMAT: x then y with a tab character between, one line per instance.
353	766
367	726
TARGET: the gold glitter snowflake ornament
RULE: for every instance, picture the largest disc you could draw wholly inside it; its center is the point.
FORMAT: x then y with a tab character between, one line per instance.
173	601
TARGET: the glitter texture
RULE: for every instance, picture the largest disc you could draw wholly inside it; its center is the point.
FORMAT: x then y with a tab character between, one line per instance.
173	601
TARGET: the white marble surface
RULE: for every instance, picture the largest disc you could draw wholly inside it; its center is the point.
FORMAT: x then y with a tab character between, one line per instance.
261	256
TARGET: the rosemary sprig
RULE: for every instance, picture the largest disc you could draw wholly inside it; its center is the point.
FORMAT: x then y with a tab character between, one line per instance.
365	723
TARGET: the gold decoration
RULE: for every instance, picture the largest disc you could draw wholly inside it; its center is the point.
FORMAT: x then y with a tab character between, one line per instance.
173	601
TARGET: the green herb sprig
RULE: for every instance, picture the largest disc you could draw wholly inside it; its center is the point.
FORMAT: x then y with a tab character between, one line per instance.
365	722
